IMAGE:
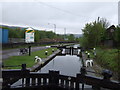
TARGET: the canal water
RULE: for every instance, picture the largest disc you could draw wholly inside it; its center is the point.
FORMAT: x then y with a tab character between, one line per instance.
67	65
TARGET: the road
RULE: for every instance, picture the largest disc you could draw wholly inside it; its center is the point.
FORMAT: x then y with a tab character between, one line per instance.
15	52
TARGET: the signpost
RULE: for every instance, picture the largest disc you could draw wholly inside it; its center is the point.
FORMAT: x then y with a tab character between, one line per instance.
29	35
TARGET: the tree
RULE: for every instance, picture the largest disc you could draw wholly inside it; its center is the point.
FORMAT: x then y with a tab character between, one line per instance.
94	32
71	37
19	32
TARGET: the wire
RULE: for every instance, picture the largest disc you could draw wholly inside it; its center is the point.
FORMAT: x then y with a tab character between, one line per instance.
65	11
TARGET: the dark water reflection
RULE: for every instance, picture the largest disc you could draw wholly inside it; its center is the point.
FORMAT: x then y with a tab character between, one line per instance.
67	65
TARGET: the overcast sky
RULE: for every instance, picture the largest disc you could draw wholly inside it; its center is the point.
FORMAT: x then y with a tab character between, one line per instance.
70	15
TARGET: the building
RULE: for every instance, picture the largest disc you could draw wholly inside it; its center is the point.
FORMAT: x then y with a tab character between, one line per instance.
3	35
110	42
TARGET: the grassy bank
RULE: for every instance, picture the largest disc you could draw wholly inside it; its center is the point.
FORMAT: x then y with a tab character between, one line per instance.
29	60
108	58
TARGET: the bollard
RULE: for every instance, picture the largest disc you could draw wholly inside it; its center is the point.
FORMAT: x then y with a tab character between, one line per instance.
107	74
94	52
8	86
83	71
94	49
86	52
52	50
80	53
46	52
88	55
23	67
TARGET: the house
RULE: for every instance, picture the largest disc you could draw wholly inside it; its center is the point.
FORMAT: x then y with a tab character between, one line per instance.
109	41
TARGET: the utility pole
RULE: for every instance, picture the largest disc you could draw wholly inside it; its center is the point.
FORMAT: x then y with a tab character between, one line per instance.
64	33
54	27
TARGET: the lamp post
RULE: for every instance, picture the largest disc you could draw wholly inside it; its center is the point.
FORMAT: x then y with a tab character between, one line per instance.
64	33
54	27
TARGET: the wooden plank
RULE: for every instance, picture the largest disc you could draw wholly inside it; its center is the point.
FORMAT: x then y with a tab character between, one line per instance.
39	81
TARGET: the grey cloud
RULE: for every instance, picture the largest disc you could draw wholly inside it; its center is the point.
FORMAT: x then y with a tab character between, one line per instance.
70	15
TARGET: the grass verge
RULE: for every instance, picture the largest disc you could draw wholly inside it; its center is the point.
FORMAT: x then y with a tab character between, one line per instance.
108	58
28	60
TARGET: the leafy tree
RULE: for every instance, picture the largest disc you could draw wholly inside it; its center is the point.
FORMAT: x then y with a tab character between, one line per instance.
71	37
37	36
50	34
94	33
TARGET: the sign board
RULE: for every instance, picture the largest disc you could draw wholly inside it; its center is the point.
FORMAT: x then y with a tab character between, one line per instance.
29	35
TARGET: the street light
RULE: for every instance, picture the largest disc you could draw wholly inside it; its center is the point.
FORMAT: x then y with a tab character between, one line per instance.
54	27
64	33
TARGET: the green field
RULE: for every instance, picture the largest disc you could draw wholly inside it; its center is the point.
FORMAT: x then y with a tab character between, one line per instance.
28	60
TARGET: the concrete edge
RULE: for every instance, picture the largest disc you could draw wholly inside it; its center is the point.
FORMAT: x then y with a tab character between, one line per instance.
37	67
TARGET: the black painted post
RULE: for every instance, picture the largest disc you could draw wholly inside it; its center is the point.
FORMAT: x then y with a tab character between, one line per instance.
53	77
29	50
80	53
23	73
83	64
83	72
46	52
89	56
53	50
77	82
23	67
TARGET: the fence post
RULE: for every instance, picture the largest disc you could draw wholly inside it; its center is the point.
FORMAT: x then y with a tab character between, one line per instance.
25	74
77	82
83	72
53	77
29	50
23	67
80	78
